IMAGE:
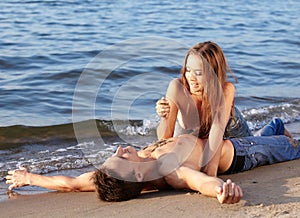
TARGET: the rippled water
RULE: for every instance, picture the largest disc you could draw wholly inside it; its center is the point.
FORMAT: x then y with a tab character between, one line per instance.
46	45
127	52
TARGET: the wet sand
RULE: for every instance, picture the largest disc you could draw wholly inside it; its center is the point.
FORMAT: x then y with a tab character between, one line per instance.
269	191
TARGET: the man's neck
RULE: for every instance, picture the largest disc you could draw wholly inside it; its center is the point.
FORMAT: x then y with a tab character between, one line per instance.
152	176
150	169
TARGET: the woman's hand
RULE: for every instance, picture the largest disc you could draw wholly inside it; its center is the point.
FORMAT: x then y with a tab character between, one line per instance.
18	178
162	107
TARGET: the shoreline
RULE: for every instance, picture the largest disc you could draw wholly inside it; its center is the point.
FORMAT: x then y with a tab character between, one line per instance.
269	191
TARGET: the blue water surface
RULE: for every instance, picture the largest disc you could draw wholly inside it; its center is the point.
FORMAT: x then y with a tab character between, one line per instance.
46	45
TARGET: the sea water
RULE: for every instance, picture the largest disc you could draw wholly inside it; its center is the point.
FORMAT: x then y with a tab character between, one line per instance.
100	66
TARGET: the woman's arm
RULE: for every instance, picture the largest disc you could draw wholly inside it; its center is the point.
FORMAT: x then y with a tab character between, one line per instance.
229	100
167	124
217	132
21	177
168	110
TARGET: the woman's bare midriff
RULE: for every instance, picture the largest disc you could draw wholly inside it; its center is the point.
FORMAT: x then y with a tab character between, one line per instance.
227	156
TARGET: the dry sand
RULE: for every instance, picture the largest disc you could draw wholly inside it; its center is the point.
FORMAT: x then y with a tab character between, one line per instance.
269	191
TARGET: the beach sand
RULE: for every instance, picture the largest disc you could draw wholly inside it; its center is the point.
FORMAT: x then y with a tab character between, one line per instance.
269	191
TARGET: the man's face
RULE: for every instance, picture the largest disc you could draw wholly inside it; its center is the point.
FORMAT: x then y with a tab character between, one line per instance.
128	153
125	161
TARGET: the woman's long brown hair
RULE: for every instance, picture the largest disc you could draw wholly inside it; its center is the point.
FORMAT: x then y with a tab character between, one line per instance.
214	74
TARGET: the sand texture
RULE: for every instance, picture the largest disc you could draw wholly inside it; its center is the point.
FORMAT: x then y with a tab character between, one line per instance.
269	191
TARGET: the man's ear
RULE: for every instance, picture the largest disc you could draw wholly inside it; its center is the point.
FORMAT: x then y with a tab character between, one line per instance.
139	176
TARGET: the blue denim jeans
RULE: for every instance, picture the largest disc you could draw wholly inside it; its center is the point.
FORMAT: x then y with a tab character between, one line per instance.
275	127
237	126
264	150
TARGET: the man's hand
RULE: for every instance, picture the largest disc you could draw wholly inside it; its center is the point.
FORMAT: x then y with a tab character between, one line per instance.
162	107
229	193
17	178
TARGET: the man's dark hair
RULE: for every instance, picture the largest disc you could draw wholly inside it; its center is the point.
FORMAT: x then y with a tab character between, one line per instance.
109	188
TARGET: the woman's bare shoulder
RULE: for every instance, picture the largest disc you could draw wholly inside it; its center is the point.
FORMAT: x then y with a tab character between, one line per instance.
176	82
229	88
229	85
175	85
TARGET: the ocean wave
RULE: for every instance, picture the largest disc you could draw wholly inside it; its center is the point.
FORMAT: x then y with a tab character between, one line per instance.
258	117
12	136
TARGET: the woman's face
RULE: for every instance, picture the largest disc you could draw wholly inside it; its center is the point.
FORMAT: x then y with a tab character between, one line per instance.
193	74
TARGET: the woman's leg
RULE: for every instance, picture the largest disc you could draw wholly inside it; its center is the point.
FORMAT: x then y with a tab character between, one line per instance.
275	127
266	150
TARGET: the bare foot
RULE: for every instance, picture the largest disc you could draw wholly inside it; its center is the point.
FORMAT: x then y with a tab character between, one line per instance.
287	133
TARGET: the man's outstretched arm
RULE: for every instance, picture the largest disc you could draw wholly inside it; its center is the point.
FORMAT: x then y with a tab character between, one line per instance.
185	177
21	177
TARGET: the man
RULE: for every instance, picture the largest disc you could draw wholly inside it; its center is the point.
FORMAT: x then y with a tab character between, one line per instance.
152	167
179	162
174	163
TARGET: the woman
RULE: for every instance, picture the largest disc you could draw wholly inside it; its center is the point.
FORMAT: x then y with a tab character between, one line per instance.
193	88
202	101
